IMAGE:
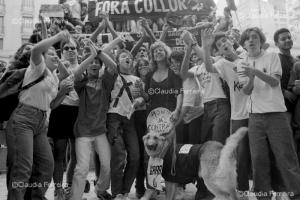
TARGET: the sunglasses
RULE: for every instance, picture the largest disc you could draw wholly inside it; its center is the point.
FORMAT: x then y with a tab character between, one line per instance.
67	48
144	50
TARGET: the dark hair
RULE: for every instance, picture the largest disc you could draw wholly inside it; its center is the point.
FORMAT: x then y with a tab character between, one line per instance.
120	51
217	37
20	50
177	55
83	58
35	38
245	35
278	32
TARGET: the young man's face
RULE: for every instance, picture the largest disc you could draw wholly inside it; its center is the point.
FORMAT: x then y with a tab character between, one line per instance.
125	62
224	46
253	43
285	41
93	69
175	66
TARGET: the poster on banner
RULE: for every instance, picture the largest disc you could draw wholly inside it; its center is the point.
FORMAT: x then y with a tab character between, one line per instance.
158	120
133	9
54	10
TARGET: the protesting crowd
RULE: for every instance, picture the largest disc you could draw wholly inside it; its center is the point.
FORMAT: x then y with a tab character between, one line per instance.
80	95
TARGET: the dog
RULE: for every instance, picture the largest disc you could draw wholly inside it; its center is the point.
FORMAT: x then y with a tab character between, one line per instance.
215	164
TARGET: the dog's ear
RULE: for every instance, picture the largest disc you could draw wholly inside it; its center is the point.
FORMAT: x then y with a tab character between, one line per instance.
163	138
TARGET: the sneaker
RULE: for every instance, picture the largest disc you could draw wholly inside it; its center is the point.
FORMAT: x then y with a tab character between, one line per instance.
87	186
104	196
119	197
67	191
282	196
179	195
59	194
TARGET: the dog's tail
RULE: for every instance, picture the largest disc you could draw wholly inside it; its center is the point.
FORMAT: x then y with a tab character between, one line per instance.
226	157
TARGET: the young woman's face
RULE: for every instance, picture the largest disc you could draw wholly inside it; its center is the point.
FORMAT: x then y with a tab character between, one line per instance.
70	51
175	66
125	62
159	54
51	59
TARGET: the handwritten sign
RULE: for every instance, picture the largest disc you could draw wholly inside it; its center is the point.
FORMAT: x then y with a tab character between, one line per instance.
158	120
54	10
154	171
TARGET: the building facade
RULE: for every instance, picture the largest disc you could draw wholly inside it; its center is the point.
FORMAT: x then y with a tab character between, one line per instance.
17	20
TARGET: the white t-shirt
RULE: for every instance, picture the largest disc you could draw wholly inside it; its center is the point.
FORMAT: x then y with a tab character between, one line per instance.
238	100
264	98
211	84
124	106
41	94
192	97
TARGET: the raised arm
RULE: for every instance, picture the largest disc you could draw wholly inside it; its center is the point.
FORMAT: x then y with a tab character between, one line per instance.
113	43
207	39
84	65
186	63
139	43
164	33
44	27
63	72
189	42
150	33
109	62
99	29
44	45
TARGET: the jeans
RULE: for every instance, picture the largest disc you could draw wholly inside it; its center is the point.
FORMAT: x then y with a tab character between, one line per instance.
216	121
59	152
83	147
243	156
271	133
141	129
29	159
125	153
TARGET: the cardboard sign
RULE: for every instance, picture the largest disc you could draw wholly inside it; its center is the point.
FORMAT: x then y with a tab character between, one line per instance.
54	10
154	172
132	9
158	120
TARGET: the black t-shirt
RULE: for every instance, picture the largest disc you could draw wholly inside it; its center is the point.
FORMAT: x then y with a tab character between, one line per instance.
164	93
287	63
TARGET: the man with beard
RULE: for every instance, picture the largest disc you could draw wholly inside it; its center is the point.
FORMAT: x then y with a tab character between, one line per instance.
283	40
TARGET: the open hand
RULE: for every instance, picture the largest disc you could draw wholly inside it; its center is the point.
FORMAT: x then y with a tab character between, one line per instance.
207	37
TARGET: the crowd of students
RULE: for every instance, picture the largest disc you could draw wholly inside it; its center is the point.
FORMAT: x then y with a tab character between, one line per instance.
96	99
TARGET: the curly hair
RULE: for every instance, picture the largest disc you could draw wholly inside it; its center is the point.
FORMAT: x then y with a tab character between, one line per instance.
138	63
246	33
167	49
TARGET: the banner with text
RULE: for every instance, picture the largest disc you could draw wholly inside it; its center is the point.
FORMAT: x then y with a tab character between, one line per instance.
132	9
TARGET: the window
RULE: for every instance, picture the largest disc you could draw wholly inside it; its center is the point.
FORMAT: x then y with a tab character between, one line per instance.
27	25
27	4
1	25
1	2
1	43
24	40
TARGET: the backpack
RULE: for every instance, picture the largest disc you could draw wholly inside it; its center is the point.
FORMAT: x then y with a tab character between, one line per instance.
10	87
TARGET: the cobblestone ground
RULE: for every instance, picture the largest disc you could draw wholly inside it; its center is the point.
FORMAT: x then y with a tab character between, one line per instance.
189	192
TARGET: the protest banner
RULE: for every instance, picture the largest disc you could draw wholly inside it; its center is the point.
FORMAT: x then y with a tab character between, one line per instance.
54	10
133	9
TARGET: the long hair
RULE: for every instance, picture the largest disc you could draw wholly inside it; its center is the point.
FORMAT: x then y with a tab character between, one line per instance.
21	60
167	49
